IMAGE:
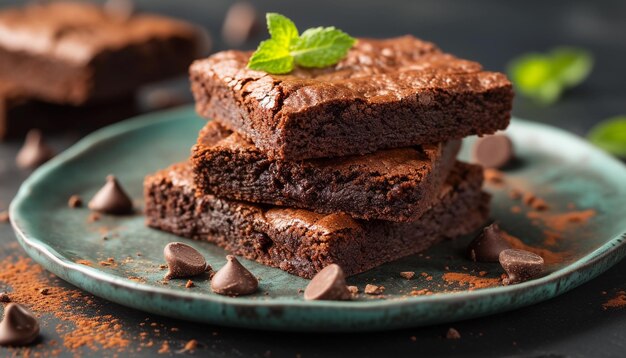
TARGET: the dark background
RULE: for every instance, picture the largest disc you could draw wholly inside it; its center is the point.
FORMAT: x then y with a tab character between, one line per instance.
491	32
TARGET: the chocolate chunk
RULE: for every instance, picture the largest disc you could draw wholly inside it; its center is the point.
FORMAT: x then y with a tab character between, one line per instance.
486	247
233	279
183	261
75	201
520	265
494	151
111	199
18	327
453	334
329	284
240	24
34	152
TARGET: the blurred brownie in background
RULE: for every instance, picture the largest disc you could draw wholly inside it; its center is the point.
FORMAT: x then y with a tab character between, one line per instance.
19	113
77	52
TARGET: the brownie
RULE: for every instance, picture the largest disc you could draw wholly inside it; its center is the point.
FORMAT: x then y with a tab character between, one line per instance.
391	184
389	93
302	242
20	113
75	52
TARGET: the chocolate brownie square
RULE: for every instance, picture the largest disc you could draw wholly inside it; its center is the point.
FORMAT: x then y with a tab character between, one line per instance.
20	113
391	184
76	52
302	242
389	93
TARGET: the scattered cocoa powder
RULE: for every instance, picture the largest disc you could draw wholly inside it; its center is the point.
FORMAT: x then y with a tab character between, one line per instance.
619	301
473	282
563	221
77	329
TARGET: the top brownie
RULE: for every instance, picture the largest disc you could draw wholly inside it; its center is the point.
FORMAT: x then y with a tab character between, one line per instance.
70	52
385	94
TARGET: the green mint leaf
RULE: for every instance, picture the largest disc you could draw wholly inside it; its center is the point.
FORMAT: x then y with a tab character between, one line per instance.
317	47
544	77
571	65
282	29
610	135
321	47
271	56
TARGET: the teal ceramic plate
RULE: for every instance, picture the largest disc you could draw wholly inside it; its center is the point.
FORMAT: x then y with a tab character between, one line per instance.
581	235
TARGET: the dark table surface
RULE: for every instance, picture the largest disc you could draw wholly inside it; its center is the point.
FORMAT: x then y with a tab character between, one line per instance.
491	32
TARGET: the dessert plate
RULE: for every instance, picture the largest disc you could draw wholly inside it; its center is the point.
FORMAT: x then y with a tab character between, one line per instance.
118	258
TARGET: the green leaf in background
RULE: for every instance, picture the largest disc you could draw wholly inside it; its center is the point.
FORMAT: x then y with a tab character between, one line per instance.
610	135
321	47
271	57
316	47
281	29
544	77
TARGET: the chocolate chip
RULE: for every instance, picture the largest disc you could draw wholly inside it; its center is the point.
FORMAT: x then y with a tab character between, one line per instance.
18	327
329	284
486	247
233	279
183	261
520	265
75	201
34	152
111	199
240	24
4	297
453	334
494	151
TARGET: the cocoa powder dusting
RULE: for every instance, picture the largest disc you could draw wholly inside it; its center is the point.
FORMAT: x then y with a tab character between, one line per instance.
25	280
563	221
619	301
473	282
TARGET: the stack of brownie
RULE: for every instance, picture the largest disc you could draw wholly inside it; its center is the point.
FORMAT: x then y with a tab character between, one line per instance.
69	65
353	165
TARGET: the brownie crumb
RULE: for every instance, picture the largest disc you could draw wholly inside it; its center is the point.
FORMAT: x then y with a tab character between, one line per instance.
300	291
407	274
4	216
189	284
494	176
162	267
4	297
453	334
44	291
93	217
75	201
190	346
374	290
353	290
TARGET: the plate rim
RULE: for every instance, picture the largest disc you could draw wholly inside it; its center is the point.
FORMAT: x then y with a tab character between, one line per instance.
613	250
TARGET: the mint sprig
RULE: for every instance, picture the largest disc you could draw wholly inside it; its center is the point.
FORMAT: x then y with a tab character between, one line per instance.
544	77
610	135
316	47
